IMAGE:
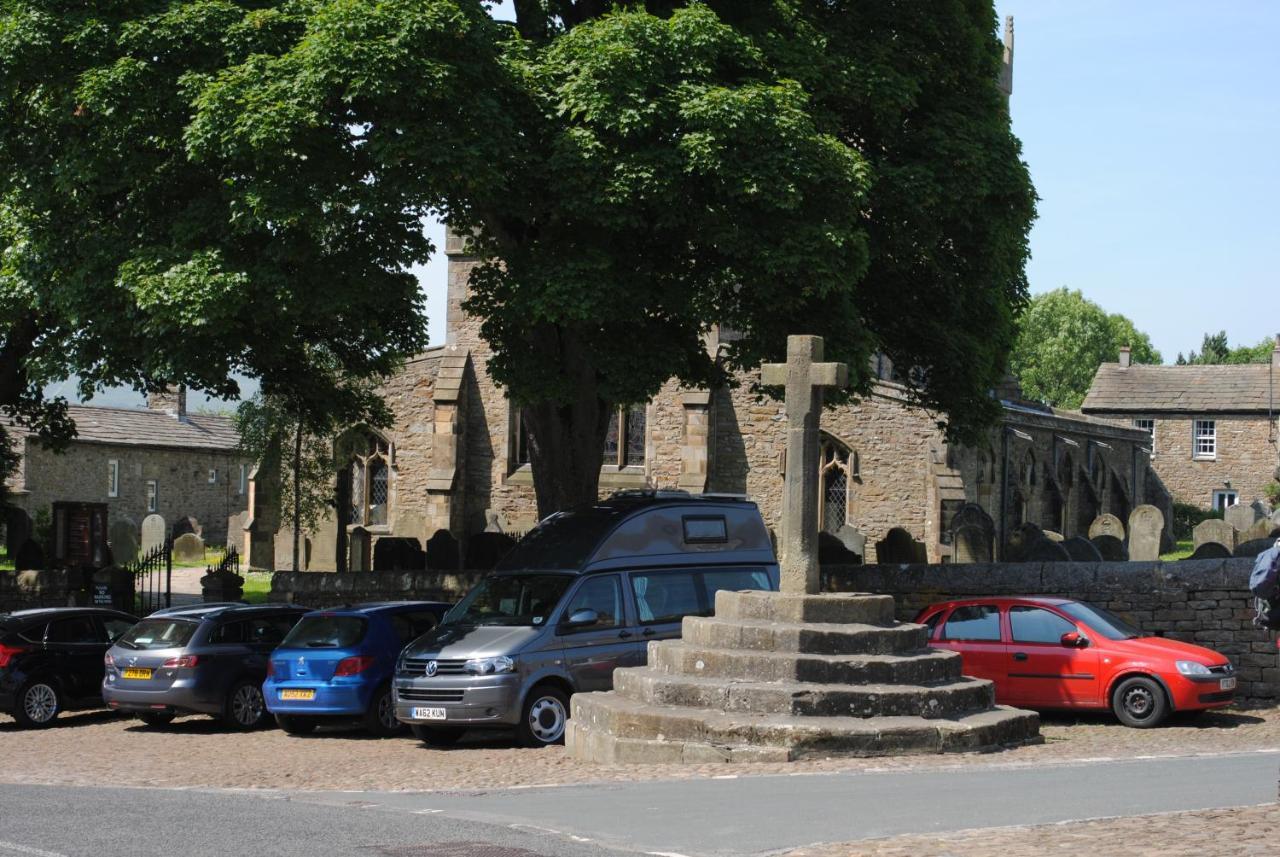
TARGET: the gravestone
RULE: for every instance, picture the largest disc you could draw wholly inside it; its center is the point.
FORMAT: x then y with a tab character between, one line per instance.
1022	541
123	534
1214	530
154	531
1111	548
398	554
1053	536
360	550
442	552
188	548
235	529
1146	524
187	524
853	539
18	527
1211	550
973	534
899	548
1107	525
485	549
30	557
1260	530
1243	517
1081	549
1047	550
1255	547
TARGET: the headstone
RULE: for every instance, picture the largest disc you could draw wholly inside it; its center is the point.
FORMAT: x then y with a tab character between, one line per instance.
30	557
492	521
899	548
1082	550
442	552
1022	541
187	524
972	534
18	527
1146	523
154	531
1107	525
1047	550
398	554
360	550
485	549
1255	547
1214	530
853	539
123	534
235	528
1211	550
1260	530
188	548
832	551
1053	536
804	377
1243	517
1111	548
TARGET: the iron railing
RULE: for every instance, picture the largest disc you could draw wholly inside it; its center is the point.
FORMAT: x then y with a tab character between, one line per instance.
153	578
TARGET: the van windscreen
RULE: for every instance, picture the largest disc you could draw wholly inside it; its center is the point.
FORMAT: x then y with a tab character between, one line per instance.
516	599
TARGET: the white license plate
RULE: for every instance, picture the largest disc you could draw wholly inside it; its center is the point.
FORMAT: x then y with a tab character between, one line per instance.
427	713
1227	684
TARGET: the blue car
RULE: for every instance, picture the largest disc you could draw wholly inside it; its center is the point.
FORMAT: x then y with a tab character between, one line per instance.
337	664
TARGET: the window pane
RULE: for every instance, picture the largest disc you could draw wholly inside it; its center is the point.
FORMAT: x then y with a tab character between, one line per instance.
159	634
601	594
232	632
635	435
378	491
981	622
708	529
1033	625
81	629
667	596
735	581
357	493
116	628
326	632
611	440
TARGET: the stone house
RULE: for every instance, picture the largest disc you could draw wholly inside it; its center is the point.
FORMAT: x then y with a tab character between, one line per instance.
125	464
1213	429
455	461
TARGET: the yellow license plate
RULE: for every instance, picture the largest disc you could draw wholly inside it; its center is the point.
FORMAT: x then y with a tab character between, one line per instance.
307	694
137	672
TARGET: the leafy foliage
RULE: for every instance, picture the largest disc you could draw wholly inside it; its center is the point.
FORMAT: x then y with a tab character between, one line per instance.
1214	349
1062	338
267	430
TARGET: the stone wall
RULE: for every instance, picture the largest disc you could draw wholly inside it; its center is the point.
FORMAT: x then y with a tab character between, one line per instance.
1246	457
317	589
1200	601
23	590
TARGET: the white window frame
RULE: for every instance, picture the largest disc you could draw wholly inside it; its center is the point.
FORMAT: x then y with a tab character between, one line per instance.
1204	439
1221	498
153	495
1149	426
213	476
113	477
243	487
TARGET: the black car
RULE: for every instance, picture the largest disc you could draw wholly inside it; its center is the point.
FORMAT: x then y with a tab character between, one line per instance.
51	660
208	659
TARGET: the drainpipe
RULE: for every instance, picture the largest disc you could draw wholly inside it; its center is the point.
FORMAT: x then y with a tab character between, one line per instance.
1004	489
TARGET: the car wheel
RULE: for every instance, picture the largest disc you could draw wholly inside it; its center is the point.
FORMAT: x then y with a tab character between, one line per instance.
542	722
1140	702
245	708
380	720
437	736
156	718
295	724
38	704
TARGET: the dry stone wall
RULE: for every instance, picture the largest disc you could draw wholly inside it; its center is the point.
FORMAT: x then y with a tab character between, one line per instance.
1199	601
318	589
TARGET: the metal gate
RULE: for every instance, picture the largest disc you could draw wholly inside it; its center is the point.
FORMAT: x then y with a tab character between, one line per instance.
153	579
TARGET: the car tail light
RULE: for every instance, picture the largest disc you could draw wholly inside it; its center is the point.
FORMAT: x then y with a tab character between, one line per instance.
353	666
181	662
271	668
7	653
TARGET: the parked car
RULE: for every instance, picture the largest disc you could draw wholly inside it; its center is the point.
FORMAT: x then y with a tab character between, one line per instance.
51	660
338	664
207	659
582	594
1049	653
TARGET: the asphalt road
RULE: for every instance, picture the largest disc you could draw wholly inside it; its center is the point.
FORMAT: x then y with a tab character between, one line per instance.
748	815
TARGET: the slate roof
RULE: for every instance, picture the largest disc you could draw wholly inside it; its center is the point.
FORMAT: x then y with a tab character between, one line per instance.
135	427
1221	389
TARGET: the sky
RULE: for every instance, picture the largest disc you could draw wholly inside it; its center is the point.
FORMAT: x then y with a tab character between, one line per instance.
1151	129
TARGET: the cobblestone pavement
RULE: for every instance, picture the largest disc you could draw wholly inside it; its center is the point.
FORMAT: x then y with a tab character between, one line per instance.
102	748
1207	833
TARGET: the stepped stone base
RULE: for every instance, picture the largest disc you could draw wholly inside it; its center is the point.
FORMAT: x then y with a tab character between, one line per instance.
777	677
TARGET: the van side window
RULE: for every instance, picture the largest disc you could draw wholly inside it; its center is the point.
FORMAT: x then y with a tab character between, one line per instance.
601	594
734	580
668	596
703	529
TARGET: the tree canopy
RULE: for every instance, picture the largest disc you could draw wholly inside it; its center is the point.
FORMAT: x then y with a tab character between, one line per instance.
1062	339
1215	349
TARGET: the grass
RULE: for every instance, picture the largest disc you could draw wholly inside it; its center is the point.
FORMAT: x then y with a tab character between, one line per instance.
212	556
6	561
257	584
1184	549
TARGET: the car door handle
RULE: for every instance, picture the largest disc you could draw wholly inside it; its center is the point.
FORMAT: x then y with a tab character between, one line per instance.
623	635
1019	656
649	632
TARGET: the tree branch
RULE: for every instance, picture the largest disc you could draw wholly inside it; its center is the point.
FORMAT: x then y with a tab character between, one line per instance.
19	342
531	20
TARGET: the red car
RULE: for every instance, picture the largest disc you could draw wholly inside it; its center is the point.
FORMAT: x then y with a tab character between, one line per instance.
1058	653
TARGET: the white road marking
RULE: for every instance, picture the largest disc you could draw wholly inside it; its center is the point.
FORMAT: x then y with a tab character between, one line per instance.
27	849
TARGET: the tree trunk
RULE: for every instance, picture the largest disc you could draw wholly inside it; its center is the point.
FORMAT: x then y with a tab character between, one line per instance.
566	450
297	492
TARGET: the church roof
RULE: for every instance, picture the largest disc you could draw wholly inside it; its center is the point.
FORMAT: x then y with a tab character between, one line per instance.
135	427
1219	389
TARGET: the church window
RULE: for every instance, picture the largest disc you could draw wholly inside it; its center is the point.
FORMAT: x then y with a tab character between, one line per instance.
837	465
625	439
370	473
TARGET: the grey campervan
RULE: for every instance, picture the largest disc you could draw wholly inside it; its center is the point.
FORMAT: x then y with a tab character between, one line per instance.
582	594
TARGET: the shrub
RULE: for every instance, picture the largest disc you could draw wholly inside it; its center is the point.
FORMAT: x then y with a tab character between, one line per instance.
1186	517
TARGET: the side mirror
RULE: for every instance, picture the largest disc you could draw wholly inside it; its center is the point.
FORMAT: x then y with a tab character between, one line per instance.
581	619
1073	640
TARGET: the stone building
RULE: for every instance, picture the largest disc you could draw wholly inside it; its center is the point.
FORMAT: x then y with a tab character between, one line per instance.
1213	428
455	461
125	464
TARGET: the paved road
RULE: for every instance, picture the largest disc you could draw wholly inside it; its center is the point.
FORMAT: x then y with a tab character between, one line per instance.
749	815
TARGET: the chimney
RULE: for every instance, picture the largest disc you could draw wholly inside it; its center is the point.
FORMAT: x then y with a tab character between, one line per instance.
1126	354
171	400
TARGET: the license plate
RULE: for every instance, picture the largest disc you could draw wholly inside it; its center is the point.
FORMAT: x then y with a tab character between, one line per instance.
427	713
304	694
1227	684
137	672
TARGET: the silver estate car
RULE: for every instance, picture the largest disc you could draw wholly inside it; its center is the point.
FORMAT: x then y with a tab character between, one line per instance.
581	595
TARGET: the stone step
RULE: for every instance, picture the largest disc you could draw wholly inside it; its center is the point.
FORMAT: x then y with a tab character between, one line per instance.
609	728
716	632
950	699
834	608
923	666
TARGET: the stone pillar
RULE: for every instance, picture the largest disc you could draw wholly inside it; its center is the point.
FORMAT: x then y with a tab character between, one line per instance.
695	464
445	504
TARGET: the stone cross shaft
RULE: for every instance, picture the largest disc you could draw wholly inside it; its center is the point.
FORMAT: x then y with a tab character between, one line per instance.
803	376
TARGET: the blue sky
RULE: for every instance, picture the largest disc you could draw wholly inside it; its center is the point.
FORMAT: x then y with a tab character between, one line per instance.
1151	128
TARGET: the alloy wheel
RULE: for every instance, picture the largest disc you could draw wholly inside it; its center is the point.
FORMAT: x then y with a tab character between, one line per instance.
247	705
547	719
387	712
40	703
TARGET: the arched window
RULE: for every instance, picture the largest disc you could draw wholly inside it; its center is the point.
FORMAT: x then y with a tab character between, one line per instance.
837	465
625	439
368	466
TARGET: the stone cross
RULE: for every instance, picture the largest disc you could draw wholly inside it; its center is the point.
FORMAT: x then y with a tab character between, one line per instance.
804	376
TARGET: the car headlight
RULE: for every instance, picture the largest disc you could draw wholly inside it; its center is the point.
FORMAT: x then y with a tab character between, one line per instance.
1192	668
490	666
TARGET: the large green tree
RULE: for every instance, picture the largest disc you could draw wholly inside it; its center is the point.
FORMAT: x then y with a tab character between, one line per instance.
1062	338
